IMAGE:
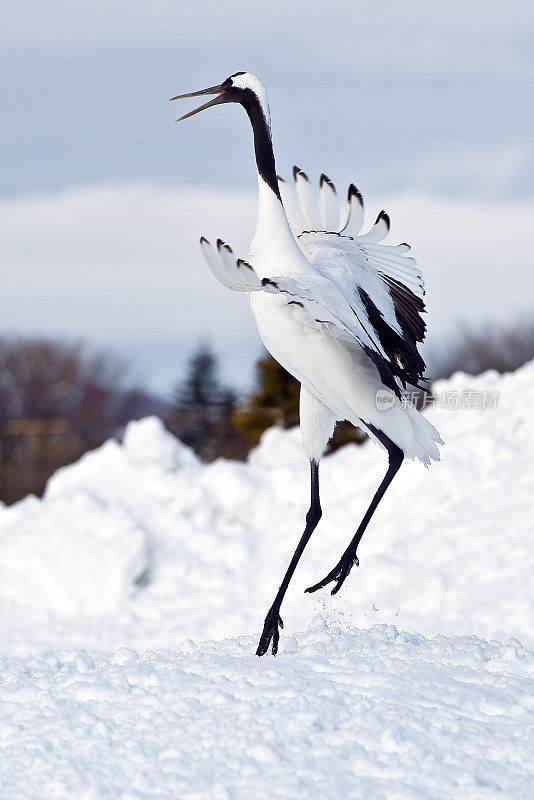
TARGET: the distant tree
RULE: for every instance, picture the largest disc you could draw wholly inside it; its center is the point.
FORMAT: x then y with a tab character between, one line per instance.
56	402
276	402
203	410
502	348
43	379
201	384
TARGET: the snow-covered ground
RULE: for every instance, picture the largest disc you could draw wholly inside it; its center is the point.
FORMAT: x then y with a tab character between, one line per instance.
361	714
117	588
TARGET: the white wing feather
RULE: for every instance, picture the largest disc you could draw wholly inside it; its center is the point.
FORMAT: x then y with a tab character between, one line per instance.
233	273
322	302
307	199
329	204
291	206
379	230
359	251
351	220
344	260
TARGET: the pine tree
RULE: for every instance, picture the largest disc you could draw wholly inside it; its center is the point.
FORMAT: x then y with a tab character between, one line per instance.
201	385
203	410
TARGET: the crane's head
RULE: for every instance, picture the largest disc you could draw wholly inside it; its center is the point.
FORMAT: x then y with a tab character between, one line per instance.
243	88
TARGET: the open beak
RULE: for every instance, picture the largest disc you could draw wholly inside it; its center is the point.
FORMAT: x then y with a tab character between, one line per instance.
217	90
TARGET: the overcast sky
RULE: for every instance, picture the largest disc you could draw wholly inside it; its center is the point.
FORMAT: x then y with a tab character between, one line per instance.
428	107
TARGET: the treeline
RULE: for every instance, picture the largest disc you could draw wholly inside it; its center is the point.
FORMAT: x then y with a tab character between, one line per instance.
56	402
59	401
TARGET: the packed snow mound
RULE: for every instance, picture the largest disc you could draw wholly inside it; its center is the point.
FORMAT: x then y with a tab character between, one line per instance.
72	554
151	546
362	715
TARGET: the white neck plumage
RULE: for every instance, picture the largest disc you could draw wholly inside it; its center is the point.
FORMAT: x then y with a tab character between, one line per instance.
273	238
273	243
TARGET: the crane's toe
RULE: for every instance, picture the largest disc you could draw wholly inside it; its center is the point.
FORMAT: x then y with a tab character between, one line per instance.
273	621
338	574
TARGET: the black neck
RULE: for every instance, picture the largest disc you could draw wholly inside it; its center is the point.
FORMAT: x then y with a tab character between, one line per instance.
263	146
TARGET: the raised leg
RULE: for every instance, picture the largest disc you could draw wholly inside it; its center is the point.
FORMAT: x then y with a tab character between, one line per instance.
273	620
349	557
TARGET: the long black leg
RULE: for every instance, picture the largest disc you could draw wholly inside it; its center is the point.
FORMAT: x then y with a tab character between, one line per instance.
349	557
273	620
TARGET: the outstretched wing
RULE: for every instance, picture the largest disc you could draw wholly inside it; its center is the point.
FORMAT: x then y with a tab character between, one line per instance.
381	279
322	302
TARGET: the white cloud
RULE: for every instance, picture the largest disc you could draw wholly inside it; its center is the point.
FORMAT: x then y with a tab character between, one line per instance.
121	265
481	170
118	259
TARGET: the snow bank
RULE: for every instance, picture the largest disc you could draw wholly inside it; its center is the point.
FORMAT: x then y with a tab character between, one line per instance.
140	543
362	715
71	554
140	546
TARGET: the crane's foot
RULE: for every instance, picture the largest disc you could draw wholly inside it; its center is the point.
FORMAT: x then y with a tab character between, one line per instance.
273	621
338	574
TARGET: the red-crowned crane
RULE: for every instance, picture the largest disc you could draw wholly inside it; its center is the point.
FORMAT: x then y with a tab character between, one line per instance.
338	309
